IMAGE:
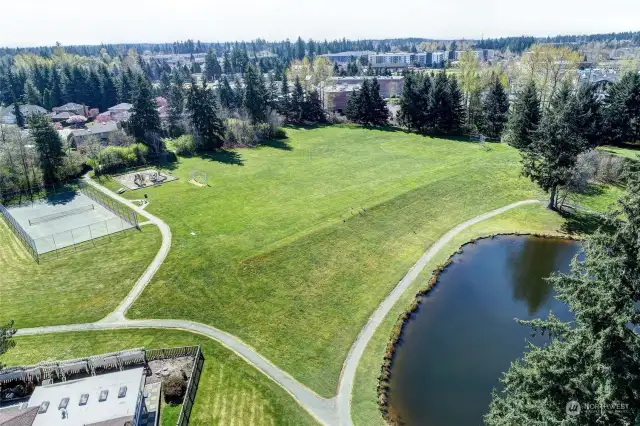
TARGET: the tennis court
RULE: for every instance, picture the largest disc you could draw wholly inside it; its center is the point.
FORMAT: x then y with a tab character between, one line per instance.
65	220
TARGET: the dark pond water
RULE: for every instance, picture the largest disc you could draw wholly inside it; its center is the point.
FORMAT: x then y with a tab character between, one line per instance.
464	335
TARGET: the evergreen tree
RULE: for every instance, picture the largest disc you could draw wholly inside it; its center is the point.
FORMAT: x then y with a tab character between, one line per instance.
442	110
352	109
549	159
212	66
300	49
296	104
457	112
108	90
313	110
31	94
238	93
366	106
595	359
49	146
284	107
496	109
621	110
412	113
176	110
145	119
95	90
20	121
56	88
127	87
228	69
165	84
255	94
524	118
379	114
203	114
227	97
46	99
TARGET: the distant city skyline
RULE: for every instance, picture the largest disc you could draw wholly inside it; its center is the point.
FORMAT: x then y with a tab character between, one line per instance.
42	22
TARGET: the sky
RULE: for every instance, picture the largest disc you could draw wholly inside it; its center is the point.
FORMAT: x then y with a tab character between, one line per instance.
45	22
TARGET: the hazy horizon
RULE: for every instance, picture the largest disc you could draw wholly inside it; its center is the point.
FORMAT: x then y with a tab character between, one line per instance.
43	23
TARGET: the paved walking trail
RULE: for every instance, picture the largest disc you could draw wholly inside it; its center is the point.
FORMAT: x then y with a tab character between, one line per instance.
334	411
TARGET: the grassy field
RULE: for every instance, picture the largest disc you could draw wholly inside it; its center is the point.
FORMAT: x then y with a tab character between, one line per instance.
532	218
80	286
230	392
279	251
632	152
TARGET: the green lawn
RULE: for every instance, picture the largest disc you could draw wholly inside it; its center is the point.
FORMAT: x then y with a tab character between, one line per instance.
80	286
264	252
630	151
230	390
531	218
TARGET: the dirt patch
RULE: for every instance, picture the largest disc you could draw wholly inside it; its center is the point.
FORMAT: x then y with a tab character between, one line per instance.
162	368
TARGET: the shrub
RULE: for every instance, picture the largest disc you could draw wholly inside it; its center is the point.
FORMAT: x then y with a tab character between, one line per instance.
280	133
610	168
184	145
174	388
116	157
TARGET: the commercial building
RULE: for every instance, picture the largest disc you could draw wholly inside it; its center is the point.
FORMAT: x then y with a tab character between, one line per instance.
338	89
345	57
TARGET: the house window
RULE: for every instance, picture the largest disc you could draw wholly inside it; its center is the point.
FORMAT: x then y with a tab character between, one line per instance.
63	403
122	392
103	395
44	406
83	399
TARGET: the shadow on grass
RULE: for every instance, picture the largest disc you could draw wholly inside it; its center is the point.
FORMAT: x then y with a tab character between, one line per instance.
583	223
277	144
222	156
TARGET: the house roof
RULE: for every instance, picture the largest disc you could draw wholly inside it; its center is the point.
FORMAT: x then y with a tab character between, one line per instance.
105	386
24	109
123	106
70	106
96	129
17	416
62	115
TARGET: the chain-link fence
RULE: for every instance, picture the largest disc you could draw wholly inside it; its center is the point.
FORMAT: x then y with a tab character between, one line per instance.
72	238
22	235
109	203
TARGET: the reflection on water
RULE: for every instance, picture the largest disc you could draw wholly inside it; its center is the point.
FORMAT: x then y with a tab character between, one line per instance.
464	335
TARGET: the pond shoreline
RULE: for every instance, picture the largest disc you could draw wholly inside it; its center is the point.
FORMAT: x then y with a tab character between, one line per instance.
384	379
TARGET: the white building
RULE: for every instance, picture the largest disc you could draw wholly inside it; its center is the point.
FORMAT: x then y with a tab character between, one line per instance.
390	60
439	57
115	399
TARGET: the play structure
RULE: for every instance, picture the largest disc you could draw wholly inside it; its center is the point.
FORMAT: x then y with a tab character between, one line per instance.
143	179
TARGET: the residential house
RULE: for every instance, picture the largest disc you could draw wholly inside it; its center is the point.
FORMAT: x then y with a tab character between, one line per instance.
112	399
121	112
101	131
73	109
7	115
61	116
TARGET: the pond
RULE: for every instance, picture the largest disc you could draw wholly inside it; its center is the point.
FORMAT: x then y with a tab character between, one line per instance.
463	336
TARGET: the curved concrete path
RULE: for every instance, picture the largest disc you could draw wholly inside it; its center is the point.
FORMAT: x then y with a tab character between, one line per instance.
153	267
347	376
328	411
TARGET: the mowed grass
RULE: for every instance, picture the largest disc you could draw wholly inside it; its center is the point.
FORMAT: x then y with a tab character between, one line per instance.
80	286
230	391
529	218
275	251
